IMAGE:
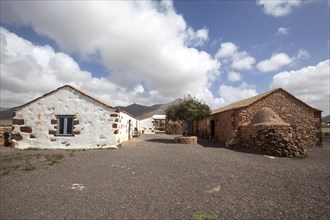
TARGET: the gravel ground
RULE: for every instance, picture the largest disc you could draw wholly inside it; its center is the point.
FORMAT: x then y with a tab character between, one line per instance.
152	178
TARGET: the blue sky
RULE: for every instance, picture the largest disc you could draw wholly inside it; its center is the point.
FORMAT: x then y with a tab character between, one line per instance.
154	52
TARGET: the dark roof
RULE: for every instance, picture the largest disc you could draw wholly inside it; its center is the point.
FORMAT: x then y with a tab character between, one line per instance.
62	87
249	101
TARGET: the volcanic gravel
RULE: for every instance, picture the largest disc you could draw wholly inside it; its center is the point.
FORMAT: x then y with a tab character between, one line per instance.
150	177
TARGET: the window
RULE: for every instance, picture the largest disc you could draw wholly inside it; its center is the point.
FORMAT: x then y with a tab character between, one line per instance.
65	125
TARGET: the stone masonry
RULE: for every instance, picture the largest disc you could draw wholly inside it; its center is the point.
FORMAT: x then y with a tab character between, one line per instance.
268	134
304	120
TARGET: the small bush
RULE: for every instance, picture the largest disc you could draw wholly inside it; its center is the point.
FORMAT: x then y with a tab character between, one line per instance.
201	215
54	159
4	173
29	167
302	156
6	159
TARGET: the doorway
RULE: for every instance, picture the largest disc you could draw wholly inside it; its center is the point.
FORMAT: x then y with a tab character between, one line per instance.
129	129
212	128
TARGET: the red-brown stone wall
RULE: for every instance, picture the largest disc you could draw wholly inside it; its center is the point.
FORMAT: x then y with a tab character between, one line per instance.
304	120
224	127
271	139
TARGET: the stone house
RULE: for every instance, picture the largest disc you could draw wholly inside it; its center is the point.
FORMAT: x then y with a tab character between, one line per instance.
223	124
69	118
155	123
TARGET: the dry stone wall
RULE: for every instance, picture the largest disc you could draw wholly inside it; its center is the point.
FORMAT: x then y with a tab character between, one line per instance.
202	129
185	140
224	124
305	121
5	133
277	140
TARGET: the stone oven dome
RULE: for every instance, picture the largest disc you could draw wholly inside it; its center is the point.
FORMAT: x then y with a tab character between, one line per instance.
267	116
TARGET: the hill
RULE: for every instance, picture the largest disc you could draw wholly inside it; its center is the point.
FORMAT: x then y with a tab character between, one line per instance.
326	118
6	113
138	111
141	111
6	116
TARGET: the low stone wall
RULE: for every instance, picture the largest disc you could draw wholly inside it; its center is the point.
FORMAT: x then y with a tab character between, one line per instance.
277	139
186	140
5	133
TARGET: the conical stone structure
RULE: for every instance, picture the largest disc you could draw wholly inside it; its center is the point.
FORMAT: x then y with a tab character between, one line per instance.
267	116
269	134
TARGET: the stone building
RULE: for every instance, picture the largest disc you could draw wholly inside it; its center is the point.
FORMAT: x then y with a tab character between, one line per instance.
223	124
153	124
69	118
268	133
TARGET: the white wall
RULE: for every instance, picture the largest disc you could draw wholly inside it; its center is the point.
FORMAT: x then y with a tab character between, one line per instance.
95	124
124	132
147	126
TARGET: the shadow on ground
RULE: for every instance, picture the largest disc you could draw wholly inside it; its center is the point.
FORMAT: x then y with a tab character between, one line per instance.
208	144
161	140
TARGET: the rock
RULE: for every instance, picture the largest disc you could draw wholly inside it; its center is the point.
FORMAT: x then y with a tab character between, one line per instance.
232	142
186	139
16	136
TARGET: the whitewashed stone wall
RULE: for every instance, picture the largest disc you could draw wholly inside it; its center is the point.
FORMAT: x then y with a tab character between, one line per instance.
147	126
126	125
35	124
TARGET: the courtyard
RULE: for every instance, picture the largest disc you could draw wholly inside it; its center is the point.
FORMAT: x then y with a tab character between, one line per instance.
151	177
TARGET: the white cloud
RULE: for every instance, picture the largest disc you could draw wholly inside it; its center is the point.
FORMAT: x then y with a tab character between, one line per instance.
197	38
243	62
136	41
29	71
227	49
230	94
239	60
278	8
310	84
276	62
282	31
234	76
303	54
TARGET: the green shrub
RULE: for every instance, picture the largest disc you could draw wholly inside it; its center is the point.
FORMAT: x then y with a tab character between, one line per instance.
54	159
29	167
201	215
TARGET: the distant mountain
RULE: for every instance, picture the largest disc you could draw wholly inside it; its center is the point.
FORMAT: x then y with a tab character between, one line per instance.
141	111
6	113
138	111
326	118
